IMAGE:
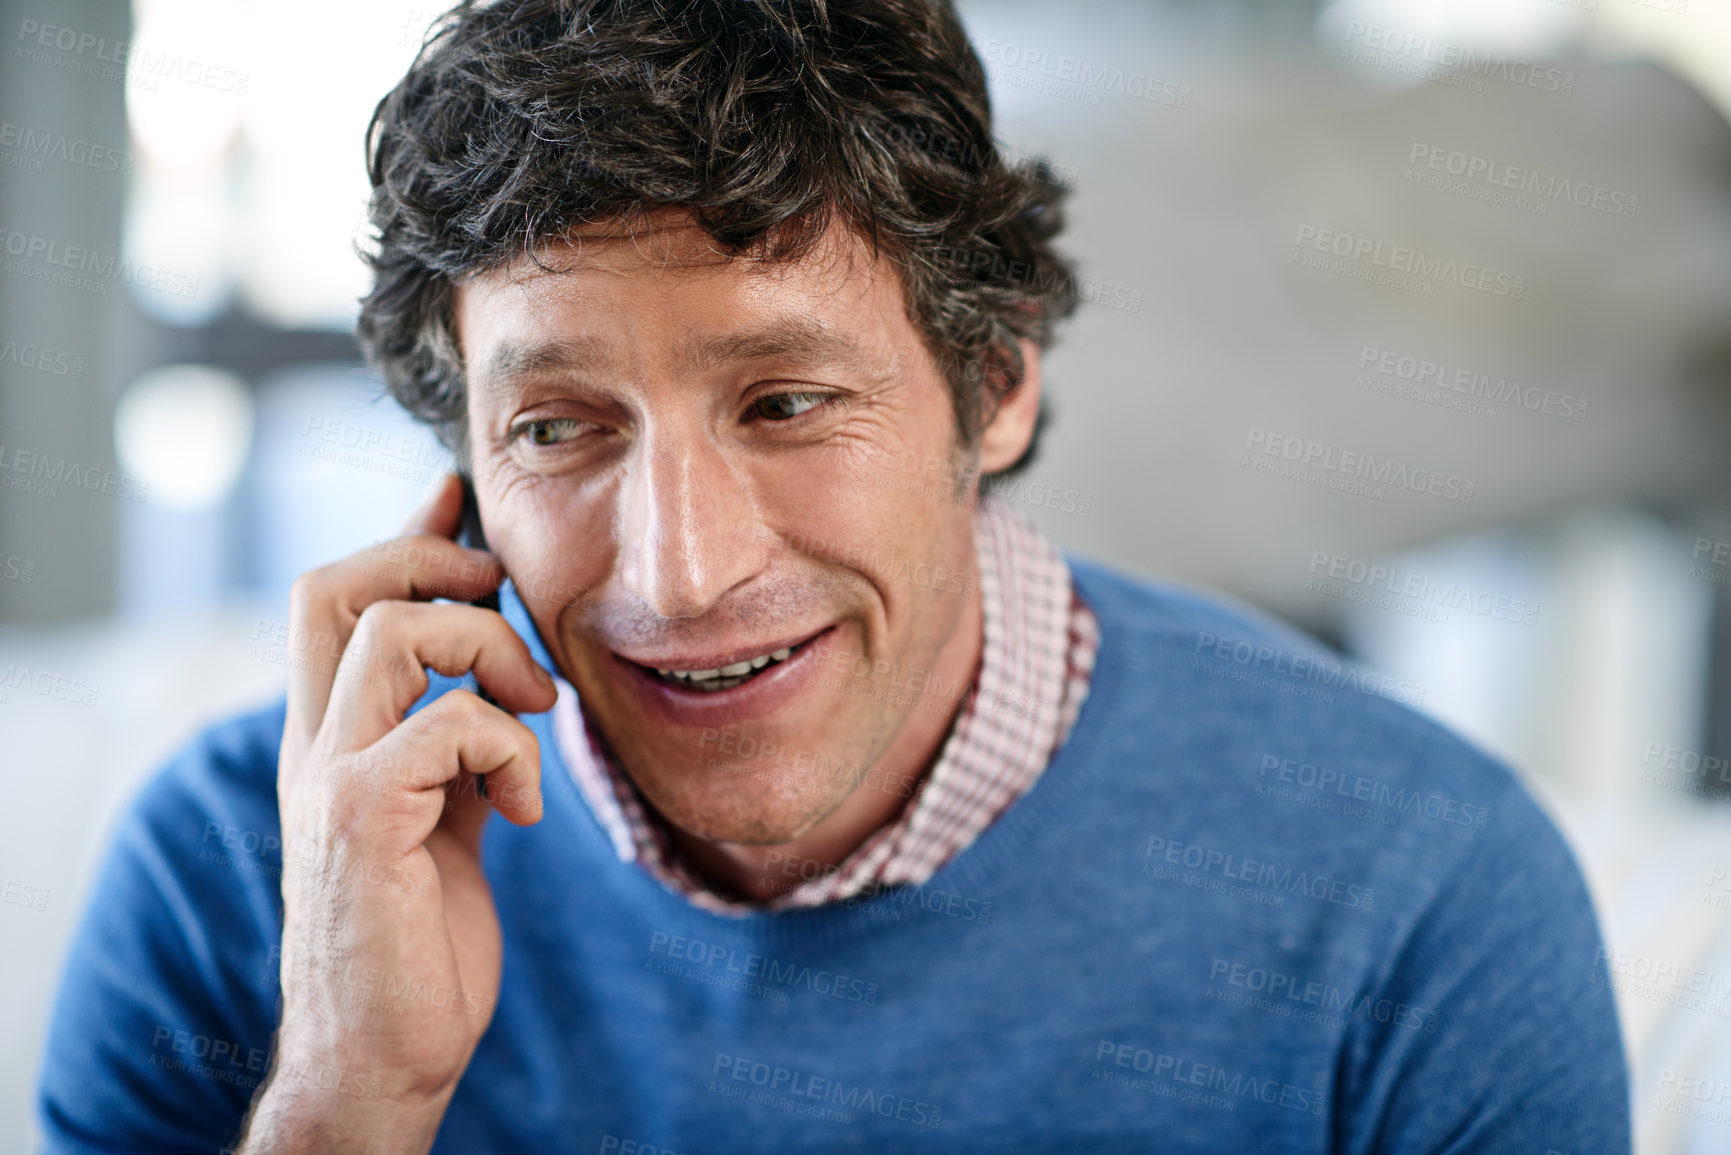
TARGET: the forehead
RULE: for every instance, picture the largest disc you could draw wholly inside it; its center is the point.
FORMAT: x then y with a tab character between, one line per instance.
668	279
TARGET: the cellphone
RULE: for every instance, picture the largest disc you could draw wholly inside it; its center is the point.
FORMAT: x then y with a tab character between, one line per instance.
471	536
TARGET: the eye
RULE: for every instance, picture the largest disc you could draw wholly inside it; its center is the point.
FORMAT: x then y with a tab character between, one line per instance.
549	430
786	406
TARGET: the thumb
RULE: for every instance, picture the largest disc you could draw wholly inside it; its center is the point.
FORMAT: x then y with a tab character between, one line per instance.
441	509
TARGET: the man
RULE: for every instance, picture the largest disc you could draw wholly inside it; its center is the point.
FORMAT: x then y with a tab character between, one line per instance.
842	811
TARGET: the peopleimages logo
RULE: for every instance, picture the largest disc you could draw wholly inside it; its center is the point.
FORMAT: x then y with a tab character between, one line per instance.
1165	1070
1677	766
1352	471
43	359
1664	981
93	55
1718	879
1393	797
801	1092
1422	373
22	894
1367	578
1718	554
966	265
222	1060
85	269
36	145
1276	669
1402	267
1485	179
32	466
781	972
1235	866
1090	79
1694	1095
1428	58
1274	991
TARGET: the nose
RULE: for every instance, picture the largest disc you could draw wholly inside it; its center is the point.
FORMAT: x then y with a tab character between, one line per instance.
687	519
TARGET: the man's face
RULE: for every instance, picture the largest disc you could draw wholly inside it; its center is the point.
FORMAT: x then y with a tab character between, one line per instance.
687	462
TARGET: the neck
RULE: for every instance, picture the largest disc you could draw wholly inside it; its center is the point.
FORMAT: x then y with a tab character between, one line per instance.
761	873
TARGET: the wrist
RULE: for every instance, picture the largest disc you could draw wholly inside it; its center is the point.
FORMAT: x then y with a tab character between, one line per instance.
324	1108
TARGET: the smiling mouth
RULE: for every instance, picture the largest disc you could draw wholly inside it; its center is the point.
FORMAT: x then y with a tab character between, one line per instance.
729	676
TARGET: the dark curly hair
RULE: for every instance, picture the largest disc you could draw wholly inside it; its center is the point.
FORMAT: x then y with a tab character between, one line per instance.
764	119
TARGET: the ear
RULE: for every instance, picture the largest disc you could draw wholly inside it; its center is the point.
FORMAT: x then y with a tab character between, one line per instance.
1006	437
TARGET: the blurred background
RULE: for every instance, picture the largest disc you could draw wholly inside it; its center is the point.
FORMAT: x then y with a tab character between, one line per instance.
1484	244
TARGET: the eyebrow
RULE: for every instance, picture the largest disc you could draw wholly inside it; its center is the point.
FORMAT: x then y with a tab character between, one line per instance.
798	339
514	359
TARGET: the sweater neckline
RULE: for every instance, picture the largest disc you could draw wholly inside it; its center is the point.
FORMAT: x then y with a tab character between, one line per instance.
976	872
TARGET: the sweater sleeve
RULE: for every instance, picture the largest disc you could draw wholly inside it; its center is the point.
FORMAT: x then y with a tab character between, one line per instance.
1521	1048
162	1028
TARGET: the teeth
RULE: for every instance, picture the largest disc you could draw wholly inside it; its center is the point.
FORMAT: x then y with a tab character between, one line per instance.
726	677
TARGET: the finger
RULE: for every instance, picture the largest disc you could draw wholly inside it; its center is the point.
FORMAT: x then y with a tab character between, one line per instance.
441	510
383	668
391	796
445	749
467	809
326	604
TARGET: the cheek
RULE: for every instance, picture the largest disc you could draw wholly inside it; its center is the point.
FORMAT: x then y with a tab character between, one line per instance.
889	475
841	514
557	545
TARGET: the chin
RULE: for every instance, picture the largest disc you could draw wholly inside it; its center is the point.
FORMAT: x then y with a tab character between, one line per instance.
741	810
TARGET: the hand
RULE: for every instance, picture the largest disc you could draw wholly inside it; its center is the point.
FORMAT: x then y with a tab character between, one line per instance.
391	949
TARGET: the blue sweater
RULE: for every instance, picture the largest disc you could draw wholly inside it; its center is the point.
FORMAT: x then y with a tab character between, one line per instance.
1253	905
